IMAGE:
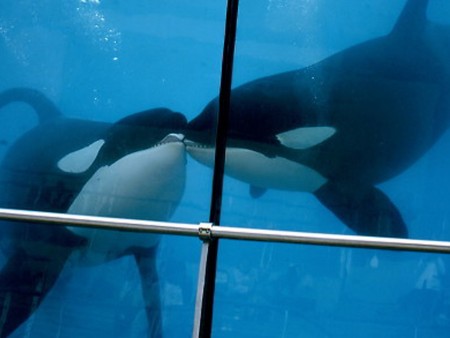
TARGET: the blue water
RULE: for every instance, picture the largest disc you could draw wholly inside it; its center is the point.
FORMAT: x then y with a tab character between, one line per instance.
103	60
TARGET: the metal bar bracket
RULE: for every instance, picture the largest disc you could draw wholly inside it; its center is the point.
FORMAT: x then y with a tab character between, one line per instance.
205	231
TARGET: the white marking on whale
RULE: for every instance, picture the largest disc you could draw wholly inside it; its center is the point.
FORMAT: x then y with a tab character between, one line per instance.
80	160
305	137
261	171
143	185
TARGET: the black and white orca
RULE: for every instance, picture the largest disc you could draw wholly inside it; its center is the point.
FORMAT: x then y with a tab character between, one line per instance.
340	126
134	168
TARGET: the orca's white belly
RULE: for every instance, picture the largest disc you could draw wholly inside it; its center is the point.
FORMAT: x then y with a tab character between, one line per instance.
147	184
261	171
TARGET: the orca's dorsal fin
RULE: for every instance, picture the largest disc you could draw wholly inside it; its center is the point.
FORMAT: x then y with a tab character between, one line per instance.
413	18
45	109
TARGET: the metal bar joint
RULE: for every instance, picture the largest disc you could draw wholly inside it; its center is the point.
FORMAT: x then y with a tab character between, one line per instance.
205	231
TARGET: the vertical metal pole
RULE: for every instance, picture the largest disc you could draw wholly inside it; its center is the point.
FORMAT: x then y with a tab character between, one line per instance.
207	272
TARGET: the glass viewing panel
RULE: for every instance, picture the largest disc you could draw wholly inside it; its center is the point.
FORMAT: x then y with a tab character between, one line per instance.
335	126
355	143
316	292
334	122
95	97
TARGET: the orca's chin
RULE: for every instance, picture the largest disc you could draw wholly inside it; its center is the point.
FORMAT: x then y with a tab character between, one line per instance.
202	153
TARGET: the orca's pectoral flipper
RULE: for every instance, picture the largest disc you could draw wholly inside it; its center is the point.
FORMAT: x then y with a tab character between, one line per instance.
24	282
257	192
366	210
146	262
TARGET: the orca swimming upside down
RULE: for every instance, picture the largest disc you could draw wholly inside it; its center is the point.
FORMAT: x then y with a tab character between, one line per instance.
134	168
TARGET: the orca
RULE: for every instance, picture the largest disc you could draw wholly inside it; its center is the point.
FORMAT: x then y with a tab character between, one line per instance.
339	127
133	168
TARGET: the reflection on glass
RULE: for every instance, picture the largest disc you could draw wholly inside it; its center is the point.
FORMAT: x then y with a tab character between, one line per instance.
85	132
344	124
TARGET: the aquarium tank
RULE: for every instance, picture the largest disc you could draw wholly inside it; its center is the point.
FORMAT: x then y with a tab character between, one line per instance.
253	168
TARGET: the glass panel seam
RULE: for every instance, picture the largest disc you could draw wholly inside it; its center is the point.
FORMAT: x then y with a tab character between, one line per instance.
208	264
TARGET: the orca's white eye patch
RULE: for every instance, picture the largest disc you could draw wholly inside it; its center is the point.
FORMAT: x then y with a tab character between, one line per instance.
306	137
80	160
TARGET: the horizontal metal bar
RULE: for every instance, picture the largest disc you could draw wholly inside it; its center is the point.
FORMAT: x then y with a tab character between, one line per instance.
227	232
330	239
109	223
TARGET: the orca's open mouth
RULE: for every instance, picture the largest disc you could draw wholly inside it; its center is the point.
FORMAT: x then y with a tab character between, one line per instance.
172	138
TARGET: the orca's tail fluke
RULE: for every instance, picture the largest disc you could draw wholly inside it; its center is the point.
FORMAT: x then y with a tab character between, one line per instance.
31	270
25	280
45	108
